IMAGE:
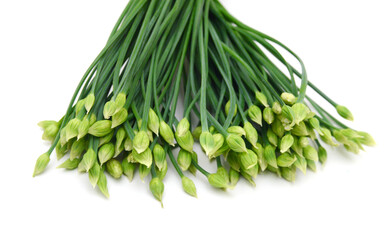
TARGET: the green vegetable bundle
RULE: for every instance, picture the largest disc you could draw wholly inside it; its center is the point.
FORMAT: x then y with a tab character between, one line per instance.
248	114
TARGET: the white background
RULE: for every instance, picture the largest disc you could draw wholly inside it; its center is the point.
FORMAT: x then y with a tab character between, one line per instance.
45	47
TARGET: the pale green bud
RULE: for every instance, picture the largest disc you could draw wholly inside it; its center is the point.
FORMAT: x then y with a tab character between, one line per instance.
159	156
286	160
339	136
367	139
352	146
227	108
297	146
236	143
220	179
90	100
120	101
50	132
253	171
93	174
128	144
344	112
276	108
310	153
141	142
236	130
185	141
100	128
288	98
71	130
92	119
300	111
157	188
322	154
287	118
207	142
254	113
153	122
78	148
109	109
303	141
188	186
262	99
286	143
300	130
144	158
196	133
166	133
47	123
79	106
105	153
248	178
251	133
234	177
278	128
119	118
162	173
212	129
219	140
288	173
128	169
63	138
88	161
260	157
41	164
106	139
270	156
130	158
70	164
184	159
103	184
248	160
327	137
274	170
351	134
83	128
114	168
311	165
182	127
268	115
272	138
233	160
301	164
61	150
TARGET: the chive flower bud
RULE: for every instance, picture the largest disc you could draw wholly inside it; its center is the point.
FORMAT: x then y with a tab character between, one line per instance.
100	128
311	165
61	150
233	160
119	118
255	114
303	141
120	102
77	148
234	177
268	115
185	141
288	173
141	142
41	164
166	133
262	99
109	109
272	138
286	160
188	186
196	133
315	124
89	158
153	122
300	111
236	130
278	128
220	179
219	140
105	153
157	188
300	163
236	143
144	158
327	137
70	164
90	100
128	144
162	173
79	106
182	127
288	98
276	108
159	156
106	139
207	142
83	127
71	130
248	159
300	130
287	117
50	132
366	139
310	153
114	168
103	184
344	112
184	159
227	108
93	174
322	154
128	169
93	119
251	134
286	143
270	156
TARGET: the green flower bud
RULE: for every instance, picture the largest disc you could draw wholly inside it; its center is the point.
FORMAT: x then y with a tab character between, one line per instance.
286	143
90	100
128	145
260	157
157	188
339	136
276	108
63	138
352	146
92	119
300	111
220	179
236	143
188	186
184	159
288	98
253	171
327	137
196	133
367	139
287	118
212	129
71	130
234	177
105	153
100	128
83	128
272	138
114	168
162	173
70	164
286	160
159	156
322	155
219	140
278	128
301	164
223	150
41	164
78	148
50	132
351	134
248	178
233	160
270	156
303	141
268	115
93	174
166	133
109	109
45	124
185	141
106	139
120	101
248	160
128	169
207	142
262	99
315	124
227	108
297	146
88	161
153	122
274	170
144	158
79	106
251	133
61	151
344	112
119	118
182	127
310	153
141	142
236	130
300	130
288	173
311	165
103	184
254	113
